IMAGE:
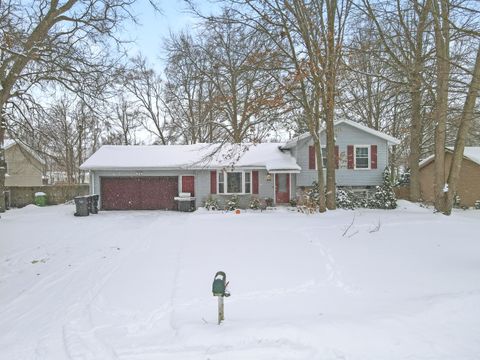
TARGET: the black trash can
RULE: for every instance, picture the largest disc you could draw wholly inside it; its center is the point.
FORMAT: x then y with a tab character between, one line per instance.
81	204
93	205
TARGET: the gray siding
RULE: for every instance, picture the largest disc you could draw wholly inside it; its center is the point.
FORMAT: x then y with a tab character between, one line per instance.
345	135
202	183
265	190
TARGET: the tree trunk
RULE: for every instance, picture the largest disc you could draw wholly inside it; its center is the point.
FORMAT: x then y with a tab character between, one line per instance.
330	78
3	164
321	184
442	40
415	137
465	123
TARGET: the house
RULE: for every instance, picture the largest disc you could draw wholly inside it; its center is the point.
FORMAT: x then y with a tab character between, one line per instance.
24	166
150	177
468	188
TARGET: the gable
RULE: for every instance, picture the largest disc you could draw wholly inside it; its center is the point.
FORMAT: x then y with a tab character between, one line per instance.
356	128
16	155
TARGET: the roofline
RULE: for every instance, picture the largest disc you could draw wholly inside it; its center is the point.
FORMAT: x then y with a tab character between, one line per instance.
153	168
430	158
390	139
27	149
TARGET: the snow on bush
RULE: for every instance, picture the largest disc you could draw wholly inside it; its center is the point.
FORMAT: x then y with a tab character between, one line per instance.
255	203
383	197
211	204
233	203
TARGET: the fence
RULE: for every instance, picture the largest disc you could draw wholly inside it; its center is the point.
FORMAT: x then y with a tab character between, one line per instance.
20	196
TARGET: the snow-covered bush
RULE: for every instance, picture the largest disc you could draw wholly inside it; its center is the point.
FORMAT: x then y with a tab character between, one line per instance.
403	178
384	196
268	202
477	205
232	203
345	199
211	204
255	203
312	198
293	202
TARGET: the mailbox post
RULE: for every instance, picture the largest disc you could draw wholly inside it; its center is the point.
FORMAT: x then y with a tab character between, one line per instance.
219	289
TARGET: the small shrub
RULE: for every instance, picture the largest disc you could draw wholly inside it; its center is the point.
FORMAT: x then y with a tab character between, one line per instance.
345	199
384	196
404	178
255	203
477	205
211	204
268	202
293	202
233	203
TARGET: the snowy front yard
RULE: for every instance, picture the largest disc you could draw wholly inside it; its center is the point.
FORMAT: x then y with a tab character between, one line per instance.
137	285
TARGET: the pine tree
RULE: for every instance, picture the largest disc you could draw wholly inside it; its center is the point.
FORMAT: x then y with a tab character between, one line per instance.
384	197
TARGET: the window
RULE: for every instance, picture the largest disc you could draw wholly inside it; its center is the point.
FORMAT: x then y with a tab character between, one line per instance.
221	182
234	182
248	183
324	156
362	157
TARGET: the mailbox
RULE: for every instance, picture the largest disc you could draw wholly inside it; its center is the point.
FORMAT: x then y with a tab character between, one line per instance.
219	286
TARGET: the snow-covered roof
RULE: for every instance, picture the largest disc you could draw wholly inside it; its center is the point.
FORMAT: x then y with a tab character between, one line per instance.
471	153
8	143
390	139
196	156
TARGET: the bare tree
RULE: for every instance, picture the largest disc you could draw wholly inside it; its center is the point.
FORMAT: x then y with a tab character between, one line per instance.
50	41
146	88
189	94
309	36
402	28
246	98
446	26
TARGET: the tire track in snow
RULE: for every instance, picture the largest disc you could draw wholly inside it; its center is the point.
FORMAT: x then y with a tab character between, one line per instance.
81	338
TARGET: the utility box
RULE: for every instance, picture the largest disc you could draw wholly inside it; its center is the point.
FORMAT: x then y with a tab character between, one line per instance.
185	202
40	199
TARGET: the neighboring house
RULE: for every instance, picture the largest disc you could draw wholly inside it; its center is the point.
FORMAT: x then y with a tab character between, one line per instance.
468	187
24	167
149	177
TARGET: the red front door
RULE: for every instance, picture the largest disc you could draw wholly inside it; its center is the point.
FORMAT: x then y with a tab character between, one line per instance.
282	188
188	184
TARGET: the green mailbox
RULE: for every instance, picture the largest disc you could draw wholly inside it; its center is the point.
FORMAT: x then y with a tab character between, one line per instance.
219	286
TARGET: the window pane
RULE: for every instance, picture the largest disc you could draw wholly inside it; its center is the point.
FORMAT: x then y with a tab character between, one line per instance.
361	158
324	156
362	152
220	188
234	182
247	183
362	163
220	176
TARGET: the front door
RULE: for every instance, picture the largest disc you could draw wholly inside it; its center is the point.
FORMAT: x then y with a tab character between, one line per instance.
282	188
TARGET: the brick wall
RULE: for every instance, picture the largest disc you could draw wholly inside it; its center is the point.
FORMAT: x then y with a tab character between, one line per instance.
56	194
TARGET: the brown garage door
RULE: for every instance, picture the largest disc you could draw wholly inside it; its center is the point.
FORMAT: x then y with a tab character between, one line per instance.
145	193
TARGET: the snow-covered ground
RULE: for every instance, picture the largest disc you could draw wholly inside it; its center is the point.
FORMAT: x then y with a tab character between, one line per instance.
137	285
